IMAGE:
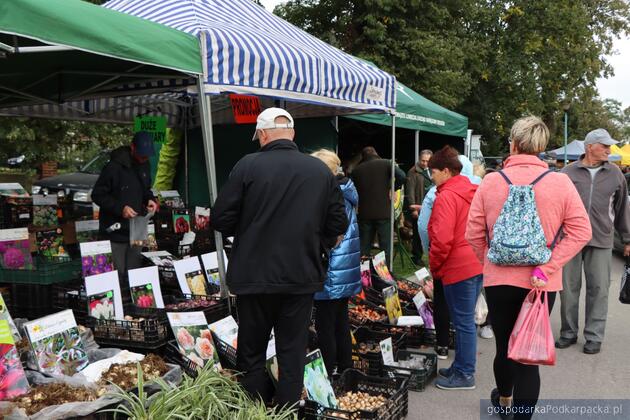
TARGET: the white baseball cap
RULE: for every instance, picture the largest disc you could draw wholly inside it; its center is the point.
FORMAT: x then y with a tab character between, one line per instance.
267	120
599	136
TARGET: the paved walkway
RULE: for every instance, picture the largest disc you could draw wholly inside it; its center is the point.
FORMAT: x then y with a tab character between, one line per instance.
575	376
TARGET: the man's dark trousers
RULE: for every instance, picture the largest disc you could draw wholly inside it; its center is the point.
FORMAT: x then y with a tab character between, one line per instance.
289	316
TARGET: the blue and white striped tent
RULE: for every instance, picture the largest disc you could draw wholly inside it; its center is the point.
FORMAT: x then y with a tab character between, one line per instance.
249	50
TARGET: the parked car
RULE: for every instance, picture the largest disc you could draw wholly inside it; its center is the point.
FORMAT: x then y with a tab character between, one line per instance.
75	186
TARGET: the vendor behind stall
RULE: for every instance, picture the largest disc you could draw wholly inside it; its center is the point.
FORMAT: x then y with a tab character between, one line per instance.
123	191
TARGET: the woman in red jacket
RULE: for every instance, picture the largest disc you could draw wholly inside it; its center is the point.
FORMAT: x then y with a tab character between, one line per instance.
454	263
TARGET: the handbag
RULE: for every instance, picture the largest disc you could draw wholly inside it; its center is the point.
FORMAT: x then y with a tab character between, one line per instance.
624	293
531	341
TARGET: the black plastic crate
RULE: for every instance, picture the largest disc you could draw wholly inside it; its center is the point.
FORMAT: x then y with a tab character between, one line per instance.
366	354
227	353
29	301
173	355
16	212
214	307
429	338
71	296
150	332
356	320
394	389
418	378
413	334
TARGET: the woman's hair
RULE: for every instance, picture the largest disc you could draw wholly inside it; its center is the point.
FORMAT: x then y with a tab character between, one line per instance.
329	158
479	170
446	158
530	135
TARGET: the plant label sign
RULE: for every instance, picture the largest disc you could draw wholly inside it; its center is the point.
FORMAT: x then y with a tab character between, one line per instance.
387	352
420	276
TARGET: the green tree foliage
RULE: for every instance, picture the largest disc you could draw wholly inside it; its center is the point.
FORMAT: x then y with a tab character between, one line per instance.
492	60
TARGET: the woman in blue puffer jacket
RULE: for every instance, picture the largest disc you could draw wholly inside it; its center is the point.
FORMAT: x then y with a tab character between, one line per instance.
343	280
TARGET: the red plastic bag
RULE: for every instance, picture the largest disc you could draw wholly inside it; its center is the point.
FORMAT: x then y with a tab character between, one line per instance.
531	341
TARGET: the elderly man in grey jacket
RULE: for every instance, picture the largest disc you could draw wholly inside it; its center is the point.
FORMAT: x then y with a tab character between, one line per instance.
604	191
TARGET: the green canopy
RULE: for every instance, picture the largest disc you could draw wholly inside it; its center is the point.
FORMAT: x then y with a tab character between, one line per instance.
415	112
58	50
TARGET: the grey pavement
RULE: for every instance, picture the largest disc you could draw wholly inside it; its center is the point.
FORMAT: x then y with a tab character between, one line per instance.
575	375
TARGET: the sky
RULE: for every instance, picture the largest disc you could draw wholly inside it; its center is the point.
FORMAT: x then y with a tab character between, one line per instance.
616	87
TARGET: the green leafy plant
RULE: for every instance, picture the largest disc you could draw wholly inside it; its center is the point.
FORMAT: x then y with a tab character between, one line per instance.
211	395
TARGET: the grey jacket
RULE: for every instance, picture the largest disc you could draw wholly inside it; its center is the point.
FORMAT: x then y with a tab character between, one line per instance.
605	200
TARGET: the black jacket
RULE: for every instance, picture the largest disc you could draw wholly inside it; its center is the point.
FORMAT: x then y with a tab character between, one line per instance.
372	177
281	206
123	182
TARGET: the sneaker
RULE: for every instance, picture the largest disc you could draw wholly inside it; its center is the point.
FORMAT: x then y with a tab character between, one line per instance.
457	380
442	352
445	372
486	332
494	399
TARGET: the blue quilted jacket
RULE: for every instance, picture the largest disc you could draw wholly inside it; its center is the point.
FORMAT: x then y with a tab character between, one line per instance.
344	272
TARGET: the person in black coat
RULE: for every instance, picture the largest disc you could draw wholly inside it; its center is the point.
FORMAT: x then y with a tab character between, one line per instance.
123	191
281	206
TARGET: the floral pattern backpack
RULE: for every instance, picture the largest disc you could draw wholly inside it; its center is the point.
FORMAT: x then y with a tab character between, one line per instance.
519	238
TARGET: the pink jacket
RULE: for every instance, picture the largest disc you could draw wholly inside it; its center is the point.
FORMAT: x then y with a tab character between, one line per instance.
559	206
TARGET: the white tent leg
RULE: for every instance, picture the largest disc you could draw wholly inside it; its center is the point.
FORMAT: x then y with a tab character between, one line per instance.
205	113
417	146
393	194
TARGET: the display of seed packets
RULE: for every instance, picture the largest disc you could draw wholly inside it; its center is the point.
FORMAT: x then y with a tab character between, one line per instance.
226	330
56	344
144	285
211	265
202	218
190	276
181	221
366	276
104	299
392	304
12	189
96	258
378	261
316	382
15	249
13	381
86	230
6	316
45	210
50	244
194	338
171	199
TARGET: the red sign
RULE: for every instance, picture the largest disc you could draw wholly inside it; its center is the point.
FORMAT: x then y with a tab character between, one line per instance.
245	108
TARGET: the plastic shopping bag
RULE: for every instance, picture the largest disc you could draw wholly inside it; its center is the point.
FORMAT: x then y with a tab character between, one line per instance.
481	310
531	341
624	293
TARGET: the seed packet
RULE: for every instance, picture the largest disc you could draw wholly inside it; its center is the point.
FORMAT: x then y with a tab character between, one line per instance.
151	244
190	276
181	221
86	230
211	265
202	219
96	258
56	343
366	277
226	330
381	267
144	284
316	382
104	299
392	304
50	244
162	259
171	199
45	210
13	381
194	338
15	249
6	316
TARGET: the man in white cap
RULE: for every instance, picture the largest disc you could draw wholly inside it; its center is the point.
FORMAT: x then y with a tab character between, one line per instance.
604	192
283	207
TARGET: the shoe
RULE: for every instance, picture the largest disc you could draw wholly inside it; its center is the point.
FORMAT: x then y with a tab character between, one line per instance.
498	409
457	380
486	332
563	343
442	352
445	372
592	347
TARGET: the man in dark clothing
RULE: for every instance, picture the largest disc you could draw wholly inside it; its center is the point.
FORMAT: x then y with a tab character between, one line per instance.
418	184
281	206
372	177
123	191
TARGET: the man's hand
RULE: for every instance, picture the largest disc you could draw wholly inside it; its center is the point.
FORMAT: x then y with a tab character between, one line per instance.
415	207
152	206
537	283
626	250
128	212
339	239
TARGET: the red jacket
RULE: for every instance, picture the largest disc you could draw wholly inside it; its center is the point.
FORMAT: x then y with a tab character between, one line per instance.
451	258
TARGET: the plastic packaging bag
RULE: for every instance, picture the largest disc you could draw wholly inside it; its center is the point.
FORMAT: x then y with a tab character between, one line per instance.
139	230
531	341
624	293
481	310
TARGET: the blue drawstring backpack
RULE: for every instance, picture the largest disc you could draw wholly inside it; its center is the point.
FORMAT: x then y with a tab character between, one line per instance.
519	239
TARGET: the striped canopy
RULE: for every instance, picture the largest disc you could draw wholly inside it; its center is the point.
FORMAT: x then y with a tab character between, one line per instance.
251	51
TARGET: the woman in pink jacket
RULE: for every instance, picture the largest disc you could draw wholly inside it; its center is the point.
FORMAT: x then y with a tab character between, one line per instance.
559	207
